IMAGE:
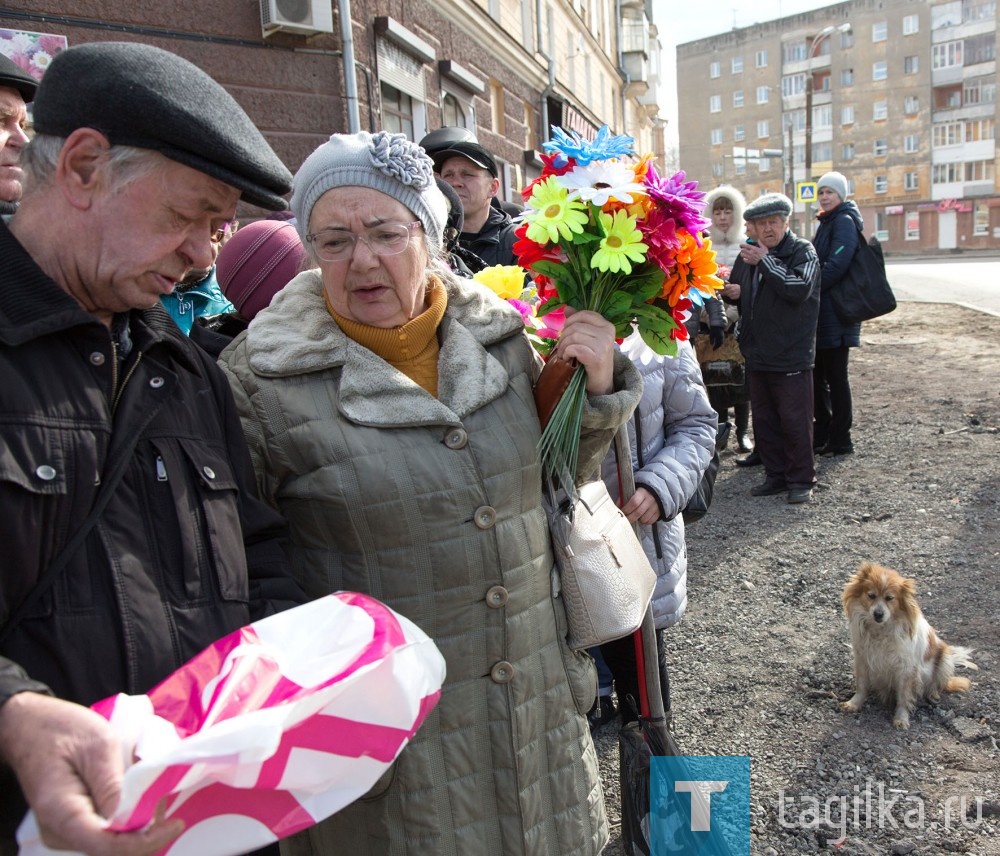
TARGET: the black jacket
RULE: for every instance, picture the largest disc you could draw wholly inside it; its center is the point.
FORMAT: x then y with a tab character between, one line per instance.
494	243
778	313
184	552
836	242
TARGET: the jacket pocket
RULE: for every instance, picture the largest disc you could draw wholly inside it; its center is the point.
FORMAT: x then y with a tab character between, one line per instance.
581	673
205	496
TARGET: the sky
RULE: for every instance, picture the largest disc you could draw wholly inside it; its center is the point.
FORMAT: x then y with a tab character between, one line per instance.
680	21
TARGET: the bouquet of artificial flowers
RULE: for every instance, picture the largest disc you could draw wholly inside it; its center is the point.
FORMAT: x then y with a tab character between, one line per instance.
604	231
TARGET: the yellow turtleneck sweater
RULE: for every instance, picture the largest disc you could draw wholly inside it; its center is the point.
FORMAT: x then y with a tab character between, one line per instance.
412	348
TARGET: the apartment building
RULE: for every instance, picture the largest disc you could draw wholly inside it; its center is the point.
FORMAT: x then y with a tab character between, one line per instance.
899	95
303	69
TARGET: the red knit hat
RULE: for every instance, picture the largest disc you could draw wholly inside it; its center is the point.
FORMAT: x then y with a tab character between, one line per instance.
257	262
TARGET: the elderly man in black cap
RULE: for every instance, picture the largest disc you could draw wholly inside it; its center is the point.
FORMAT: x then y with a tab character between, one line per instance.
17	88
776	279
132	532
471	170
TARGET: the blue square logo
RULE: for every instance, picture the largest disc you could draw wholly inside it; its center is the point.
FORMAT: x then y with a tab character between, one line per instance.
700	806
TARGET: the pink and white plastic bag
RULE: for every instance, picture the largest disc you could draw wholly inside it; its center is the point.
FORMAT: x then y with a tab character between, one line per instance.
273	727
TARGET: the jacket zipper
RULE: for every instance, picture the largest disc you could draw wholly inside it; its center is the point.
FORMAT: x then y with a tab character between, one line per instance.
125	380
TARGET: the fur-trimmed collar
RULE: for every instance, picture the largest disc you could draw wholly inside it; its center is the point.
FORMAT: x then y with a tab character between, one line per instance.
296	335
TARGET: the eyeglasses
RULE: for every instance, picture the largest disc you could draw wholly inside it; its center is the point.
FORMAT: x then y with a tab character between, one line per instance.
386	239
225	232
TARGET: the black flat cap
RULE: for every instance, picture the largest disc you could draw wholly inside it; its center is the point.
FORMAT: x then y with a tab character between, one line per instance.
468	150
12	75
142	96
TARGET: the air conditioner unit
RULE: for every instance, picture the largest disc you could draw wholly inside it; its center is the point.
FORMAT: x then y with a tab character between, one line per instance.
304	17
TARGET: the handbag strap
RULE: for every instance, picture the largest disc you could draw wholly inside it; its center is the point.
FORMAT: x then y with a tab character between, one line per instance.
52	572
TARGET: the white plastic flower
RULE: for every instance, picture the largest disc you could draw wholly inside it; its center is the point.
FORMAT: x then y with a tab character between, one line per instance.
601	181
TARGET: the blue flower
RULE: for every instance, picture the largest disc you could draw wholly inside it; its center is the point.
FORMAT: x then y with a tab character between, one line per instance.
602	147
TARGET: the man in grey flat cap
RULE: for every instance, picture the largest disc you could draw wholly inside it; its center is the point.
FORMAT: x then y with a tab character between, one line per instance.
132	531
17	88
776	279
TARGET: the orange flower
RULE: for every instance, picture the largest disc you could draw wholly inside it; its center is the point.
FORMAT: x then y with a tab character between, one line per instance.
694	267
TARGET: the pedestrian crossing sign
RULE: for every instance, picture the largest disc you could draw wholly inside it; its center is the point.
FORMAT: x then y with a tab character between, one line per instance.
806	191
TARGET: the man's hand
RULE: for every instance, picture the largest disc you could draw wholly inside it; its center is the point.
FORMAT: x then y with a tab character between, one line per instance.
716	335
752	253
642	507
732	290
69	764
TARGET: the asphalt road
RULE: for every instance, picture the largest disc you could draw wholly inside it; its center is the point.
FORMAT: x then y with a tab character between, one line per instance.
974	283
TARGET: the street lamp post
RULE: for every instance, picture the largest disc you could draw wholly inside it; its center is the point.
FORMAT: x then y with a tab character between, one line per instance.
816	42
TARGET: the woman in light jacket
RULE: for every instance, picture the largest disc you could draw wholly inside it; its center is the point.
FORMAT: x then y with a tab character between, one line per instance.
672	437
389	411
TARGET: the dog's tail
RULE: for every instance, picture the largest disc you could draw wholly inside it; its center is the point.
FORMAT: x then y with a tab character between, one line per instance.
959	656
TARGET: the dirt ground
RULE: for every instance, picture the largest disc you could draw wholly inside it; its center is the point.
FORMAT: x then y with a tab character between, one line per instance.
762	657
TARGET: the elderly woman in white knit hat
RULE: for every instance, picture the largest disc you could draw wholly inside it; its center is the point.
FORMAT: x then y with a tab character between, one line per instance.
836	242
388	406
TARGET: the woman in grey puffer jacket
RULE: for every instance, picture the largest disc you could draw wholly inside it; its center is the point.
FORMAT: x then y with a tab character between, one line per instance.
672	437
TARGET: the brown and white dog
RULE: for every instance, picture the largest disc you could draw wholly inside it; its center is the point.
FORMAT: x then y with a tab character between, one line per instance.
897	654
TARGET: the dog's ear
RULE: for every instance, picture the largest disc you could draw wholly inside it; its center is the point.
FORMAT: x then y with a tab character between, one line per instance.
908	587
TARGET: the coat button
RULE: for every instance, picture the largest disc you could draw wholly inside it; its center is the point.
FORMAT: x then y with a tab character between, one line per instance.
97	358
485	516
208	472
156	382
456	438
496	597
502	672
45	472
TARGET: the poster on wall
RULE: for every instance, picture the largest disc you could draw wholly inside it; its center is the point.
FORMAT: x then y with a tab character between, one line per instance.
32	51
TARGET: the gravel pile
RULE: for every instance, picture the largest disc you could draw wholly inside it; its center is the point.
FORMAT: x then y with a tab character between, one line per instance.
762	657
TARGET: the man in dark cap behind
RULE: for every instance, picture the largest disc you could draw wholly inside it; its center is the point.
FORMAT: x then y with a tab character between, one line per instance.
17	88
776	279
132	531
471	170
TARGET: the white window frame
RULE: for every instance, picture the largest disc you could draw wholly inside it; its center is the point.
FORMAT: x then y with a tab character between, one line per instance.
763	128
911	64
738	98
737	64
911	181
911	144
714	103
739	133
880	70
880	148
760	60
847	151
847	114
763	94
911	101
946	54
911	25
881	184
880	111
715	69
880	31
716	136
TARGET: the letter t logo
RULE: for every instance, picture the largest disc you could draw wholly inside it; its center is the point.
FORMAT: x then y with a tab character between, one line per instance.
701	801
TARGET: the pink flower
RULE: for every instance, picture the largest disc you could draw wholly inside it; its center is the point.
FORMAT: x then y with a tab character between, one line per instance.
679	199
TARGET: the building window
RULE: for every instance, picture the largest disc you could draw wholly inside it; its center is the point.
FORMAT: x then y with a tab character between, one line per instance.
981	219
738	98
881	184
718	170
714	69
946	55
741	166
715	104
763	165
911	64
946	173
980	49
911	24
760	60
763	94
397	111
912	220
797	119
822	117
880	111
911	105
911	181
847	115
455	114
737	64
822	152
847	151
793	84
764	128
911	142
847	39
979	129
498	110
945	134
739	133
979	90
979	171
880	31
880	70
795	51
716	136
880	148
847	77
